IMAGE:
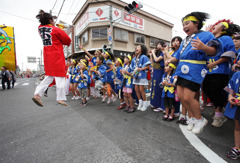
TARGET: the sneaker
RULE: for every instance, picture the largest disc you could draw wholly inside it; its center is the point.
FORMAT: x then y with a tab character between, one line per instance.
190	124
84	104
87	98
73	97
233	154
131	110
109	100
145	106
104	98
218	121
157	110
114	98
126	109
140	105
199	126
176	115
77	97
209	104
121	106
182	121
45	95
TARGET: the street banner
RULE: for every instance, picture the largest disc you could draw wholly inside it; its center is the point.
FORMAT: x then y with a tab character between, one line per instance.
7	48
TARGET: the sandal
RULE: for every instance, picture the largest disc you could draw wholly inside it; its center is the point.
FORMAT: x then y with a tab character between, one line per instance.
170	118
63	103
37	101
165	117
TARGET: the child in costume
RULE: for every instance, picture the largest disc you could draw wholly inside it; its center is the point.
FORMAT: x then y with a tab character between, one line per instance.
83	80
99	74
118	81
232	111
109	84
93	58
168	92
236	65
192	67
219	68
157	60
54	61
73	71
127	85
139	65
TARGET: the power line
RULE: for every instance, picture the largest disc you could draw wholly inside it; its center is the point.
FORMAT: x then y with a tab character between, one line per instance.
69	10
60	9
160	11
18	16
54	5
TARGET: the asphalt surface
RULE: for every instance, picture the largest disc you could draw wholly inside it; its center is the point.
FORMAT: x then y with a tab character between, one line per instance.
95	133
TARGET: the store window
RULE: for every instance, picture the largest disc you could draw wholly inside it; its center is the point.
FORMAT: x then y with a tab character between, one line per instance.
139	39
153	41
99	33
121	35
85	37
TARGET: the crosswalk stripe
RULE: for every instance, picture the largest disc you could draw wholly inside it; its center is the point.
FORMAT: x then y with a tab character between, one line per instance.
25	83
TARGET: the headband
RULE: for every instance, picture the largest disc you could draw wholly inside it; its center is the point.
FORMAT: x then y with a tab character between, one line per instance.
172	65
120	61
129	57
107	53
83	63
190	18
225	24
73	60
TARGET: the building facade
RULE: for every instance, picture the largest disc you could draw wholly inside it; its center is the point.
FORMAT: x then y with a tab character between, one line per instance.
92	28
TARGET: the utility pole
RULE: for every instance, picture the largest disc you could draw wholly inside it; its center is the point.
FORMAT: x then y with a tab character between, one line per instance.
111	27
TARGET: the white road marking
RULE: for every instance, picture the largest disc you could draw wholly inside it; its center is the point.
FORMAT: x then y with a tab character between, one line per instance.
16	84
200	146
25	83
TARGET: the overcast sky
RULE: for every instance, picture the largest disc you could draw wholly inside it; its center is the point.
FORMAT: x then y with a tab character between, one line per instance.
20	14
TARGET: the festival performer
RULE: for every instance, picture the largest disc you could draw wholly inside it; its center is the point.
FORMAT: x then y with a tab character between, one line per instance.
99	74
118	81
168	92
73	71
83	79
219	68
192	67
138	65
236	66
109	84
54	61
232	111
127	85
157	59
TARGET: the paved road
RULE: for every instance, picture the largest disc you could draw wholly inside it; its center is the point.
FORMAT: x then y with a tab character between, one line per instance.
95	133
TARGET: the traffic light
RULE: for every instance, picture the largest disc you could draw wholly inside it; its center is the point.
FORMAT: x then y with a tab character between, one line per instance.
130	8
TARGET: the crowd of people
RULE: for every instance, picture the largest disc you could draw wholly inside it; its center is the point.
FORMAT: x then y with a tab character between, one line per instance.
204	60
7	76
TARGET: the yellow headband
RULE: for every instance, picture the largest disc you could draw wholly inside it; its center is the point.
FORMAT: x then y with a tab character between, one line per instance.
107	53
83	63
225	24
129	57
83	60
190	18
74	61
172	65
120	61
